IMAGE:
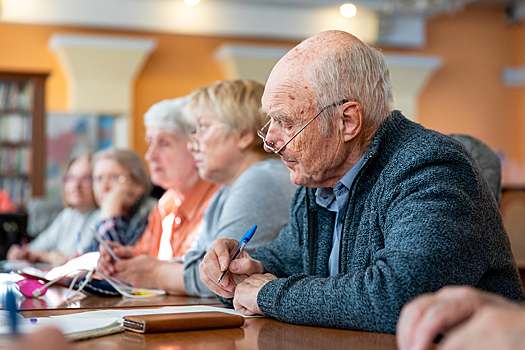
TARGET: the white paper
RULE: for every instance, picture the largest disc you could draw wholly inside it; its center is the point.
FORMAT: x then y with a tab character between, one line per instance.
119	314
69	326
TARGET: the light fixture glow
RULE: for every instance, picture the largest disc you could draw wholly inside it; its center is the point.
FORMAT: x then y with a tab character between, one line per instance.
191	2
348	10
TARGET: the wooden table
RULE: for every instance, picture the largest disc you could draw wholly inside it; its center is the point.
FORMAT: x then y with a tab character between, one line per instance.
257	333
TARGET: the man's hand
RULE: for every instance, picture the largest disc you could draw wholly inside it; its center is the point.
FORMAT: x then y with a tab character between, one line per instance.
106	264
427	316
245	299
217	260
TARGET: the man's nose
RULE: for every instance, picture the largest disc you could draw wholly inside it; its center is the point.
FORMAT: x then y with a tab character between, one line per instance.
273	137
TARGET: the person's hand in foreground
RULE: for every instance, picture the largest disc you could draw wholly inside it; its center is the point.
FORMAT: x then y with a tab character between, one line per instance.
47	339
468	319
44	339
106	264
217	260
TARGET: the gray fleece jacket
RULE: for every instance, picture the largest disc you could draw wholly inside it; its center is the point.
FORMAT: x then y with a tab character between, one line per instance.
420	216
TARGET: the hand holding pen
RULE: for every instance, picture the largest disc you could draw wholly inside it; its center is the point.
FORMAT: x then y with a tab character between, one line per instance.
244	240
227	255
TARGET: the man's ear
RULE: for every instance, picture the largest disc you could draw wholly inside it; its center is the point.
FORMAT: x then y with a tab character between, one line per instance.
352	120
246	138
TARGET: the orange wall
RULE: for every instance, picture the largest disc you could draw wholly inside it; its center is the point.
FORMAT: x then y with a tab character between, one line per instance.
464	96
178	65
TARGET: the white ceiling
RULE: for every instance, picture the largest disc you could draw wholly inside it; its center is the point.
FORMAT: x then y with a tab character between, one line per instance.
279	19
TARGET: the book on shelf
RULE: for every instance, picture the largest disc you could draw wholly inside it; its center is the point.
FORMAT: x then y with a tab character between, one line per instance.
16	95
15	127
21	146
15	160
19	188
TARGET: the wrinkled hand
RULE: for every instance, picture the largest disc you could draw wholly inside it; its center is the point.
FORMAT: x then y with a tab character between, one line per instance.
245	298
139	271
106	264
493	327
427	316
218	260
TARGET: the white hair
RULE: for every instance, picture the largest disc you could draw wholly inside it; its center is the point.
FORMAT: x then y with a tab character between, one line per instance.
170	116
357	73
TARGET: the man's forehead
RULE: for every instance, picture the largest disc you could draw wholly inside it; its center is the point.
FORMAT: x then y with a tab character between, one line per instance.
285	97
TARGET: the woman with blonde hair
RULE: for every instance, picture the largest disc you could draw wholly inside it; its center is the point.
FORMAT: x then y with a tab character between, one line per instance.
255	185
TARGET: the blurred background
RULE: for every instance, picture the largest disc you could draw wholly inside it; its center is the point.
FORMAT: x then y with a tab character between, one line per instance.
78	75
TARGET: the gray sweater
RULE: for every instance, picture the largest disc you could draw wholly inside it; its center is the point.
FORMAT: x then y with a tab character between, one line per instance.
261	195
420	216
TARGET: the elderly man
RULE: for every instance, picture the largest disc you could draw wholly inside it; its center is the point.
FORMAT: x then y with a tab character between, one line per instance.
388	209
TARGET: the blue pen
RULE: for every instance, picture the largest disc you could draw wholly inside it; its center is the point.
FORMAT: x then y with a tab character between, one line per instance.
244	240
10	301
80	251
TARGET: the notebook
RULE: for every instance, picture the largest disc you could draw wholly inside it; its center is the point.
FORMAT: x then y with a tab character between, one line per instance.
181	322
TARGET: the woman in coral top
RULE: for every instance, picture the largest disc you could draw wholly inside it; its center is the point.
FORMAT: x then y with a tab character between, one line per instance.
173	223
255	186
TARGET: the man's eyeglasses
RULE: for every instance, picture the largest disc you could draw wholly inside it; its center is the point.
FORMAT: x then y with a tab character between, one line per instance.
201	130
271	145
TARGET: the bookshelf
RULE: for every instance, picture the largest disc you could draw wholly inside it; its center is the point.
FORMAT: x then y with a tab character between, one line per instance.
22	134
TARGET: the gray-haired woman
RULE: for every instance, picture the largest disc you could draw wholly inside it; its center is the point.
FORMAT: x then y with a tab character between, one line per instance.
121	186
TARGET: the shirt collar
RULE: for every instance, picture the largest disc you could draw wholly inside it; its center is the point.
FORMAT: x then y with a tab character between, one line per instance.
324	196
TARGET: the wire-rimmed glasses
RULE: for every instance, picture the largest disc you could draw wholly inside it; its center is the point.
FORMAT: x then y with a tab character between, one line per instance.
271	145
202	129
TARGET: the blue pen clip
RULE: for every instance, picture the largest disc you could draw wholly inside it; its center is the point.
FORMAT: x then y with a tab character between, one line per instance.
248	235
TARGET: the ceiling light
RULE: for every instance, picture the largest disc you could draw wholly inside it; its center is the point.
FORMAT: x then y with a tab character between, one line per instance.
191	2
348	10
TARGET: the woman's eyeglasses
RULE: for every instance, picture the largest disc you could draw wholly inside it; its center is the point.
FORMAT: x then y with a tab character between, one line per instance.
109	178
201	130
